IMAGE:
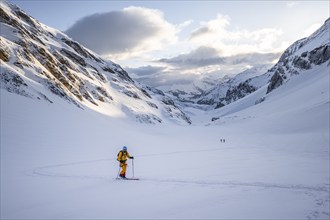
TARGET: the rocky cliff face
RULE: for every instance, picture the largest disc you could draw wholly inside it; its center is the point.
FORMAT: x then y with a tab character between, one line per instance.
39	62
302	55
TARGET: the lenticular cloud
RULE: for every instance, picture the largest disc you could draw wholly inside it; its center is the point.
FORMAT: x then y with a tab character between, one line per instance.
132	30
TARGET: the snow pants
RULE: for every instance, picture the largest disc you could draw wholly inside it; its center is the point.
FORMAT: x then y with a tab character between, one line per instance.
123	168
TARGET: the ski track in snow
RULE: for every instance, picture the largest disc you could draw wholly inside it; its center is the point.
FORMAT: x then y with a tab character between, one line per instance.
45	171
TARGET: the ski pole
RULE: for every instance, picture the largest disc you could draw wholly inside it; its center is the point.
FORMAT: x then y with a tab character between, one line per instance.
118	172
133	167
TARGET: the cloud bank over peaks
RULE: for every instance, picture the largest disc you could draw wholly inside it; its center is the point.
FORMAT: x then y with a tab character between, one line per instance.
157	76
132	31
220	34
208	56
202	56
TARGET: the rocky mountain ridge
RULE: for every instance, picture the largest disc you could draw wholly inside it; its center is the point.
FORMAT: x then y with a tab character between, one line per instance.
36	59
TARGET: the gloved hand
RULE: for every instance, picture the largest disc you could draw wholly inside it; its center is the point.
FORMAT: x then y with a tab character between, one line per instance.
132	157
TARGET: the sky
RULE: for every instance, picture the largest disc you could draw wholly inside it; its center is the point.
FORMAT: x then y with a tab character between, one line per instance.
176	40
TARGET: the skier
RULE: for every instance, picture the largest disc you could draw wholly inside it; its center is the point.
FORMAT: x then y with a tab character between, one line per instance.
122	157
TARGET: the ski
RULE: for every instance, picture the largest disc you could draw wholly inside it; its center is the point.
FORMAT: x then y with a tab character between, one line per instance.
127	178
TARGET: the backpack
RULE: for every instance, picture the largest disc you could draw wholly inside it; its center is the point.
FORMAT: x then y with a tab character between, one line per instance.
123	153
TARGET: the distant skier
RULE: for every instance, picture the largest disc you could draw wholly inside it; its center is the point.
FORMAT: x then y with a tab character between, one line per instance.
122	157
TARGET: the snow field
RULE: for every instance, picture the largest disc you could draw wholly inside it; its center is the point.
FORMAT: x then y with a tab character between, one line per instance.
56	165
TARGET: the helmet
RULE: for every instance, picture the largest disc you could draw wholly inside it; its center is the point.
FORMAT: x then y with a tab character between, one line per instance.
125	148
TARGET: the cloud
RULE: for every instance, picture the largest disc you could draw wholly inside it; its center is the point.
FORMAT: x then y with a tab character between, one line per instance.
157	76
202	56
214	26
219	33
291	4
146	70
208	56
185	24
132	31
252	59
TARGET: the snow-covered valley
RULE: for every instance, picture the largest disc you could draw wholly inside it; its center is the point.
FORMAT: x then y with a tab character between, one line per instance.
258	150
